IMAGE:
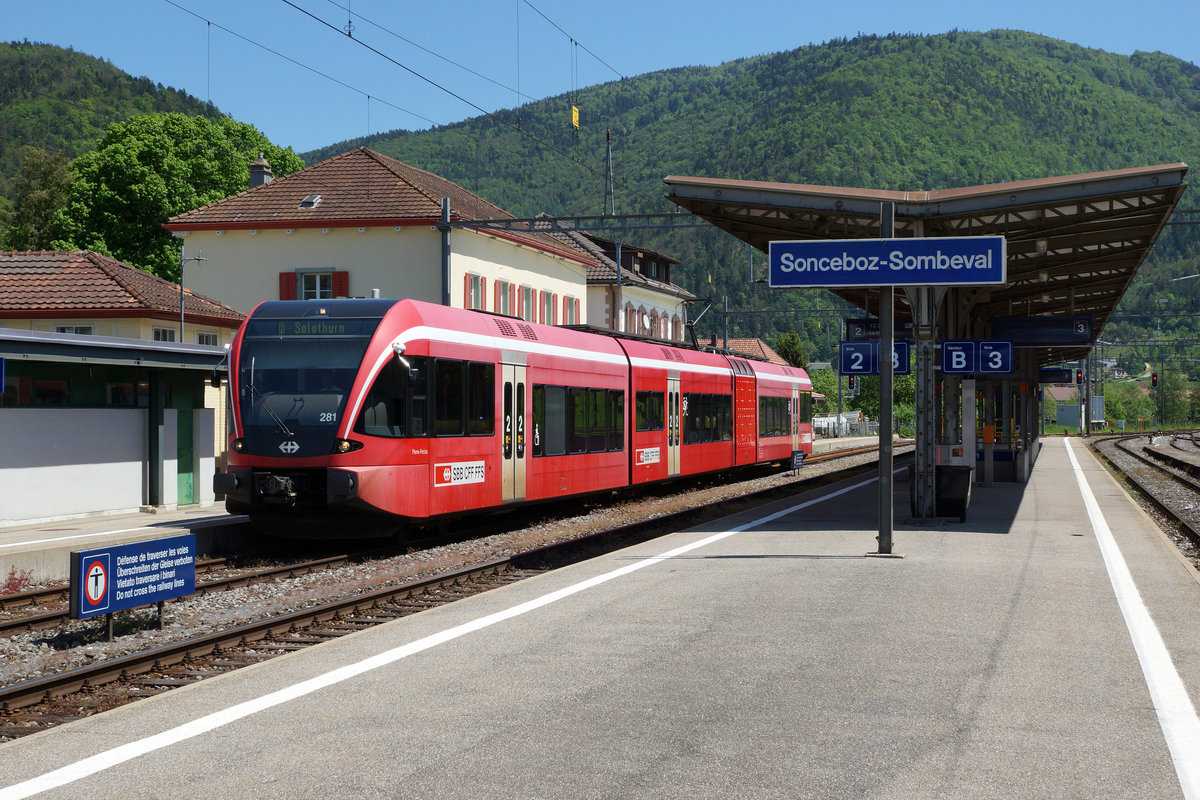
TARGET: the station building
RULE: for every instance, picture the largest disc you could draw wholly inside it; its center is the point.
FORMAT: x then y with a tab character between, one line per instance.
362	224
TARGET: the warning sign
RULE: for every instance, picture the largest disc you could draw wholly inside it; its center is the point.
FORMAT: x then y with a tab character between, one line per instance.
124	576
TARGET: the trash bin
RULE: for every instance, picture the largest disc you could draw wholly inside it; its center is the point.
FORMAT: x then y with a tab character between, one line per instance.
952	491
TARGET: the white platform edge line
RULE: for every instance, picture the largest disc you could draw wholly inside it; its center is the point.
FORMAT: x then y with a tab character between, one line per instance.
1176	714
118	755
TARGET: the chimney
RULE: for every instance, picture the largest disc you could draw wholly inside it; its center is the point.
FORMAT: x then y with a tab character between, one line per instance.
260	172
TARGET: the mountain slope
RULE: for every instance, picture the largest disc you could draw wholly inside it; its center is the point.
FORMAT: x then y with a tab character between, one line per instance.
61	100
895	112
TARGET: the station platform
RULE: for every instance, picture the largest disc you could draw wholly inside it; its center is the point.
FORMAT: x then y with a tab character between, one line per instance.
1045	648
42	550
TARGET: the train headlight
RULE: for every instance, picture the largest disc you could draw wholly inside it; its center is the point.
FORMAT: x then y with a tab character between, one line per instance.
239	445
346	446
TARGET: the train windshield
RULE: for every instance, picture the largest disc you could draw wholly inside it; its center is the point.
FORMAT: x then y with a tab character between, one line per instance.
294	380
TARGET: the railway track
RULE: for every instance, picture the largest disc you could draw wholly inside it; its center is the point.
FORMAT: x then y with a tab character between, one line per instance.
1169	484
57	596
36	704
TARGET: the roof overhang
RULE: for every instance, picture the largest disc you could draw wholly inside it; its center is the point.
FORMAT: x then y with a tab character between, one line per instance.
1074	242
22	345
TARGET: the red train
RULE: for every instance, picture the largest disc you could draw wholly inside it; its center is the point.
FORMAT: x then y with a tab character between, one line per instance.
354	417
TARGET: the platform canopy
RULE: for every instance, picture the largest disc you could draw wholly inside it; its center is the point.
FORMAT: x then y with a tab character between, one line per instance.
1074	242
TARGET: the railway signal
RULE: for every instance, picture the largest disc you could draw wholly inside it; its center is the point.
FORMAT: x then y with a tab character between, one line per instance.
1078	376
851	379
1154	380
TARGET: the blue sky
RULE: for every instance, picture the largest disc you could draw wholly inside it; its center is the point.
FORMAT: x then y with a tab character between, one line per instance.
539	48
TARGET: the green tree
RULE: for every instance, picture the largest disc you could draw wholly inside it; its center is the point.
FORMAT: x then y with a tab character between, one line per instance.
149	168
1173	386
791	348
41	188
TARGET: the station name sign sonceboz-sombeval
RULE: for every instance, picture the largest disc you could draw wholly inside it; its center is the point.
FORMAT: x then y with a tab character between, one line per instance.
950	261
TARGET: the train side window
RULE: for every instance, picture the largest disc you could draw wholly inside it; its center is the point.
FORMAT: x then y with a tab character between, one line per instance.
481	397
449	386
724	417
577	421
597	420
649	411
805	407
554	431
616	420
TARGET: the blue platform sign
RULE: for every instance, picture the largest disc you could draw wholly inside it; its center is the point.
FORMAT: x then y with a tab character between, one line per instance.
857	358
950	261
977	357
862	358
995	357
124	576
959	357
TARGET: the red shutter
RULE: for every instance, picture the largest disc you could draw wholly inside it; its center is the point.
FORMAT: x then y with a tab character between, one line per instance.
566	310
496	291
287	286
577	322
512	298
341	283
467	290
483	294
554	309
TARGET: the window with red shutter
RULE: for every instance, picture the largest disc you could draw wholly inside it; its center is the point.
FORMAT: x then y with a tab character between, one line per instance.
341	283
287	286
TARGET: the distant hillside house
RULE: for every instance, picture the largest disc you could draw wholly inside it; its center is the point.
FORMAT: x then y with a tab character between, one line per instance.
362	224
86	293
638	298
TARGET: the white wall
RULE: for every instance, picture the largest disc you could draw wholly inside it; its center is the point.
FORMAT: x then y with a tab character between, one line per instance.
204	428
60	463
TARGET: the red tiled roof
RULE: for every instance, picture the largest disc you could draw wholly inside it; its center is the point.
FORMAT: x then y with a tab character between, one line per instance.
756	347
356	187
56	282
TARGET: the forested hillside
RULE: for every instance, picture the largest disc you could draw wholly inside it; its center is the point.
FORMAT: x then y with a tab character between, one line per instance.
896	112
62	101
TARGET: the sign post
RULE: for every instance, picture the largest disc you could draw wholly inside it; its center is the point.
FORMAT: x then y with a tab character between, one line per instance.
887	299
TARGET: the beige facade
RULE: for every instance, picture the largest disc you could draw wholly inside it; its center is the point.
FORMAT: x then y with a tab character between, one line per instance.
127	327
243	267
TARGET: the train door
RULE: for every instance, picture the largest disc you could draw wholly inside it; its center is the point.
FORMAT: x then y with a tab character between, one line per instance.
674	426
513	440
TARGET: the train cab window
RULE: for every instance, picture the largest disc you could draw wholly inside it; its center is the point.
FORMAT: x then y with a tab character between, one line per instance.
650	411
396	404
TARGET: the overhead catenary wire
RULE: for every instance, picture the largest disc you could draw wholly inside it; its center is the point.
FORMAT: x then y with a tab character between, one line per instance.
494	117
